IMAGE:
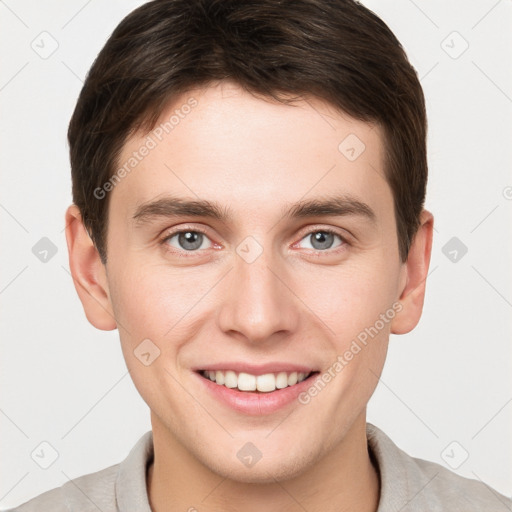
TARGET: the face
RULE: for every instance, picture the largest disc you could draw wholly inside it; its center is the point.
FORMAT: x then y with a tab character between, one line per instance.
249	283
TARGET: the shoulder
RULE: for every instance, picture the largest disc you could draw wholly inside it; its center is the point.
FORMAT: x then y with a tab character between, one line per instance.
450	491
119	487
91	492
411	484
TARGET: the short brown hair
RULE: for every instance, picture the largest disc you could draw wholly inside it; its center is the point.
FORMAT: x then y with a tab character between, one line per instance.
336	50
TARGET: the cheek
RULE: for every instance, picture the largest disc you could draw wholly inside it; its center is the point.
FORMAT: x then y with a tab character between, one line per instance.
164	305
151	305
356	305
349	298
150	301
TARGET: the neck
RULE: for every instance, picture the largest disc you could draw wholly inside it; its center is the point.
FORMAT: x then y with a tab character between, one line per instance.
345	479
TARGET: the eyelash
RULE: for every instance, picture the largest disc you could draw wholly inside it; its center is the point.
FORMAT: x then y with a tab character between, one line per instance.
317	253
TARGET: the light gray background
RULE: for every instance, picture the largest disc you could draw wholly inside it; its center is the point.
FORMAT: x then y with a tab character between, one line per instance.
66	383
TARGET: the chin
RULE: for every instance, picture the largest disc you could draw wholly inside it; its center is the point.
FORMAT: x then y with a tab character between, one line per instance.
267	470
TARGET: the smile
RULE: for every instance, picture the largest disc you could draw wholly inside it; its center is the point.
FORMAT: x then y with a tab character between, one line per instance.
265	383
254	389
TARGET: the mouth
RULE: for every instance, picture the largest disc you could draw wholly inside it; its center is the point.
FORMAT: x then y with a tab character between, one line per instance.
249	383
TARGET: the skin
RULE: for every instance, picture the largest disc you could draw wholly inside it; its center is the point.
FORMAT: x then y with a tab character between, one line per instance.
256	157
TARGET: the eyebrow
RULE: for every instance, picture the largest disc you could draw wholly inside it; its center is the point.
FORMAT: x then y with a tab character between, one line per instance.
337	206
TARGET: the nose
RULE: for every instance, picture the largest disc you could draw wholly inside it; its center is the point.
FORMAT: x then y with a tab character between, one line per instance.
258	305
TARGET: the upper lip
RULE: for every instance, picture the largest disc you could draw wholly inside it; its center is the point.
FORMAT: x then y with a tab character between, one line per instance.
255	369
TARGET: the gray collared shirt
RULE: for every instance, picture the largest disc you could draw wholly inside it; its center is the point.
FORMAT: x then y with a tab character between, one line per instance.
408	484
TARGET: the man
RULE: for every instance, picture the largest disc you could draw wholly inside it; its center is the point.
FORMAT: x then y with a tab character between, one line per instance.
248	184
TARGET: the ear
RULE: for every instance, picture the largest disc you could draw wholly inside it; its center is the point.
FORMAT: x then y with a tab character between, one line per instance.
414	277
88	272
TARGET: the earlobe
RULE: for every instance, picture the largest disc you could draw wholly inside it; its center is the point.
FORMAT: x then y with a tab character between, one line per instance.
414	277
88	272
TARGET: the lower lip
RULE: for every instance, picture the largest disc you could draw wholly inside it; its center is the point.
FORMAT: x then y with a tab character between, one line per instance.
256	404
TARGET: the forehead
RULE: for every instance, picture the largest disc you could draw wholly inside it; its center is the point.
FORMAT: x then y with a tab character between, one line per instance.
225	145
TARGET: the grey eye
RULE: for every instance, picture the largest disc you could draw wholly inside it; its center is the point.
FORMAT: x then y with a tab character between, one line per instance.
188	240
321	240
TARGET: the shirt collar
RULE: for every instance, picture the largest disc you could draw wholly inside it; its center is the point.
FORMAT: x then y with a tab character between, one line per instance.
131	486
401	479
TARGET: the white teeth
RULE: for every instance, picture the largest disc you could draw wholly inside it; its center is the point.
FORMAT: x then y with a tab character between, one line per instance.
246	382
266	382
281	380
230	379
